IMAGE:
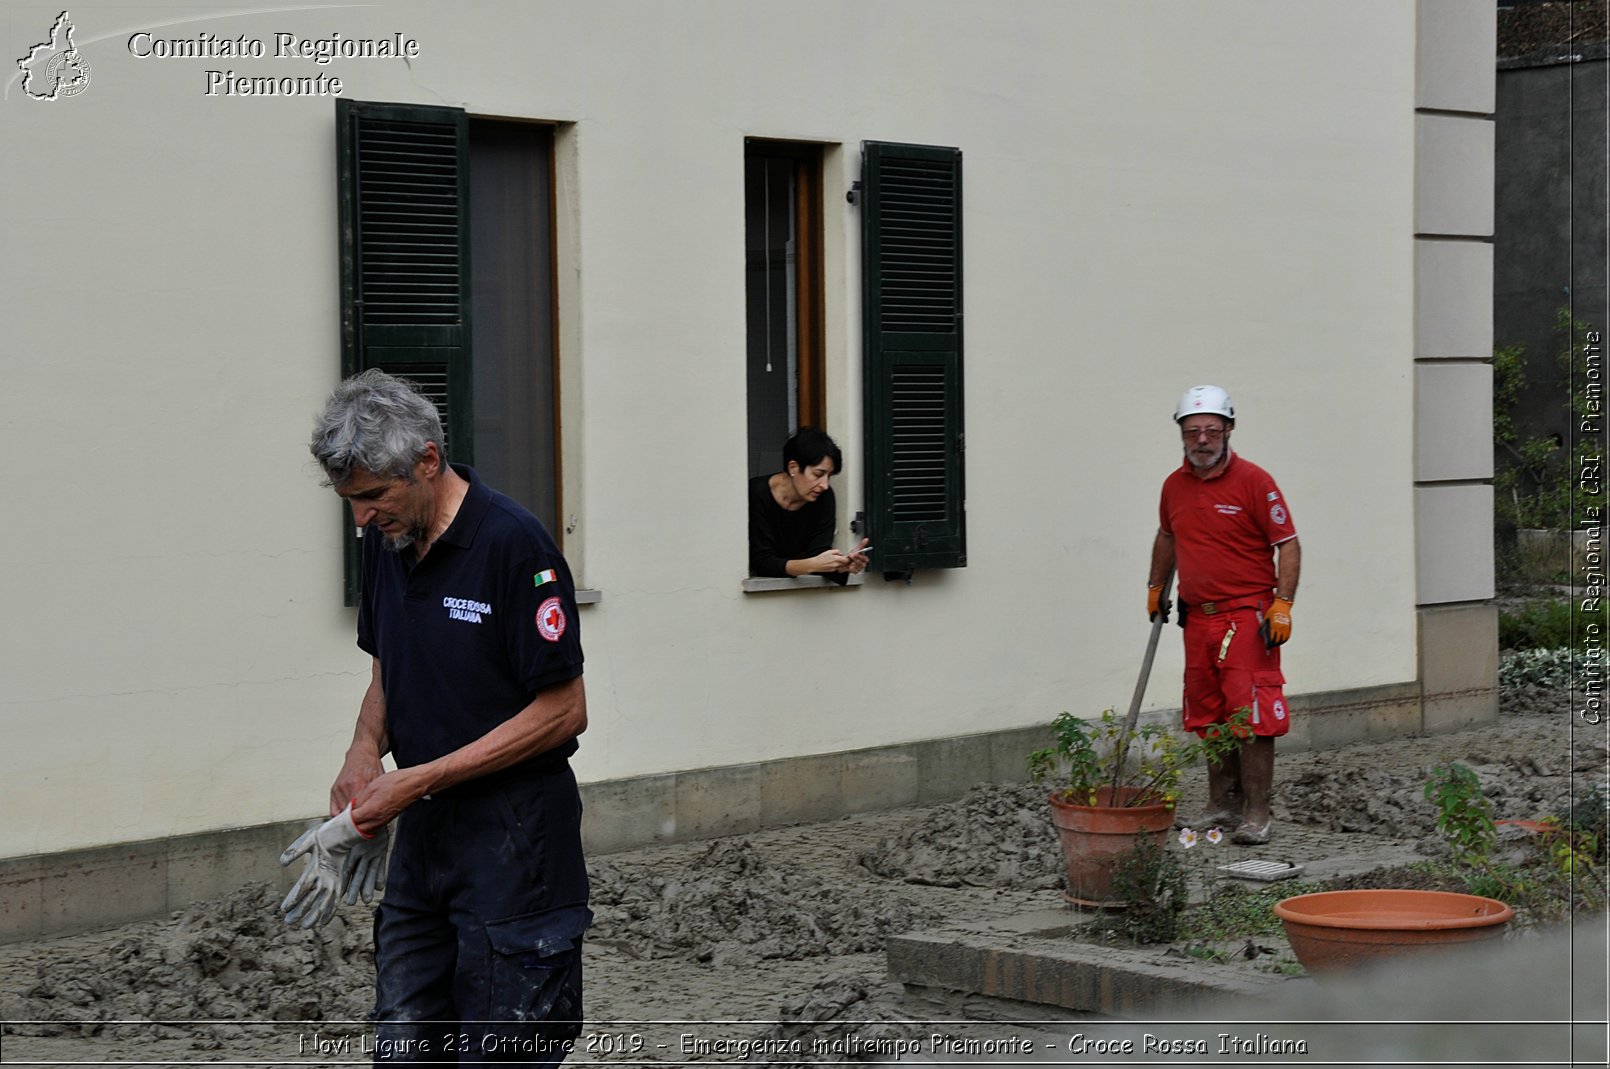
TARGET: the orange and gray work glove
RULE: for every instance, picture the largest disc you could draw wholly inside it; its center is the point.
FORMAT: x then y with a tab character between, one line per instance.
1277	623
329	850
1155	604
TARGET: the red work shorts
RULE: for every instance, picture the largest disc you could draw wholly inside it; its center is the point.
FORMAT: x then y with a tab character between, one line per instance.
1247	675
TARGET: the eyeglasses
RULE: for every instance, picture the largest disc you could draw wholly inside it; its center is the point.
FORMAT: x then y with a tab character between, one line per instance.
1197	432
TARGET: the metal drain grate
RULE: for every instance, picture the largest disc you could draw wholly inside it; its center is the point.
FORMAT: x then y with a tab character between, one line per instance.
1264	871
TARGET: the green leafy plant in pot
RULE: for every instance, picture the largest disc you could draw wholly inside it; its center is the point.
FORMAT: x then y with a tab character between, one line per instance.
1112	784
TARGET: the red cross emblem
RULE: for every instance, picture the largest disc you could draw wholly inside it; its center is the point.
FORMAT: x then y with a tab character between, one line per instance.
551	620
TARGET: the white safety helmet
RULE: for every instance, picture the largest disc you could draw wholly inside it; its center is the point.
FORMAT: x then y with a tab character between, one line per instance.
1211	400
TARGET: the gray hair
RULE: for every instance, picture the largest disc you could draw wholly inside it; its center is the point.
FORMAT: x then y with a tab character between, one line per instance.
375	422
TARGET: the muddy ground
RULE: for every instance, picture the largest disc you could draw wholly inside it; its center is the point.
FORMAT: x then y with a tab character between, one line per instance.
779	932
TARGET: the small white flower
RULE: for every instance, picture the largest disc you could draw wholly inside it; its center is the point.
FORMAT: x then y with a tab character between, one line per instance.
1187	838
1214	835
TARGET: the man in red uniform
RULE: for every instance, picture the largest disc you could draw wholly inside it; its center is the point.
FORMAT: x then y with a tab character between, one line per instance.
1227	526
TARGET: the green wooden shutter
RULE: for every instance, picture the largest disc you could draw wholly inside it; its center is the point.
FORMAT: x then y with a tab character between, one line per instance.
911	203
403	172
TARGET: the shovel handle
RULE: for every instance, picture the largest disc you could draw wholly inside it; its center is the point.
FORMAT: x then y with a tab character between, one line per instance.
1140	684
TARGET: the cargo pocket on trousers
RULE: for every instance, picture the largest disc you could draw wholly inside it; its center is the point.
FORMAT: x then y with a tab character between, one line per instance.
536	968
1269	713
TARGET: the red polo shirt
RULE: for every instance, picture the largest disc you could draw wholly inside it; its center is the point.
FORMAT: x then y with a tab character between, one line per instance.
1225	529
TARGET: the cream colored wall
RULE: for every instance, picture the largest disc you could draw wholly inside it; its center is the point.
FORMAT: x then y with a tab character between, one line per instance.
1157	194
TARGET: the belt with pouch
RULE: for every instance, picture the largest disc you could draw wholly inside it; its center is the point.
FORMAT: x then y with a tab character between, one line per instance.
1214	608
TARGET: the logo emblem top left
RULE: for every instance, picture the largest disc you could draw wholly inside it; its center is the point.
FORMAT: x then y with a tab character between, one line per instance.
55	69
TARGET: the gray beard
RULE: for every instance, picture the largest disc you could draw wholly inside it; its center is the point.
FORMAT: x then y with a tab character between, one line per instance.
398	543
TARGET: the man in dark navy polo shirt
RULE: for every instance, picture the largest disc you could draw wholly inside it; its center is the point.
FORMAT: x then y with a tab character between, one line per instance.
469	615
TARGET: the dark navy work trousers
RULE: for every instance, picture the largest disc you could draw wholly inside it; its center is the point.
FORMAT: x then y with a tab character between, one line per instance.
478	938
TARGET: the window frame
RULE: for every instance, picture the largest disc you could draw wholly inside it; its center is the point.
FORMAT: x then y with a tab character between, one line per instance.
809	291
415	254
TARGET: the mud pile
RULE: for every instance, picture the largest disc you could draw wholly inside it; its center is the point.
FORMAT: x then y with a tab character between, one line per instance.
1358	800
996	835
729	903
1341	794
844	1019
230	959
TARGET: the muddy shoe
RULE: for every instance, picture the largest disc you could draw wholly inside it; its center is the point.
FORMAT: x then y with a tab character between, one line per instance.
1250	834
1211	818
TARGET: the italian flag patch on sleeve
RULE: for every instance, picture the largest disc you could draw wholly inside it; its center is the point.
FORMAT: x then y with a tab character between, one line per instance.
544	578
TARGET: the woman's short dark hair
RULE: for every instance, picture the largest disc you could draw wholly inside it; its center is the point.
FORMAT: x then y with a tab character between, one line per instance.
808	446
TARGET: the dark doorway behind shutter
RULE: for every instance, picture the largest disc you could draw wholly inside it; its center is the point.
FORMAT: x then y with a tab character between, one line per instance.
516	443
911	204
404	241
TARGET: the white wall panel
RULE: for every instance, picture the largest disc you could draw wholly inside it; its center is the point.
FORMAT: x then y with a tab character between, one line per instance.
1453	299
1453	424
1454	193
1157	194
1456	41
1456	542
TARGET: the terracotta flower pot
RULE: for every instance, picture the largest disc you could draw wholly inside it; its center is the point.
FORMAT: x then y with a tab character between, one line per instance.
1095	838
1335	930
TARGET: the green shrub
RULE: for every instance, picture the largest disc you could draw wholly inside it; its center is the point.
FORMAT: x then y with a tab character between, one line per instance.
1151	883
1587	820
1464	814
1541	668
1541	625
1536	479
1235	912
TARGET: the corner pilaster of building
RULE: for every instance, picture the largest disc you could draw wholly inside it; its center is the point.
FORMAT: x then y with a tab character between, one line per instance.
1453	339
1458	647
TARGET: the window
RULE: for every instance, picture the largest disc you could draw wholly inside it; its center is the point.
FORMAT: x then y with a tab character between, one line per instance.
515	380
911	207
451	290
783	295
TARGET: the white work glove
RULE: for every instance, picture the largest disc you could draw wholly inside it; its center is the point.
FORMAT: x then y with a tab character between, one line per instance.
328	848
366	867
